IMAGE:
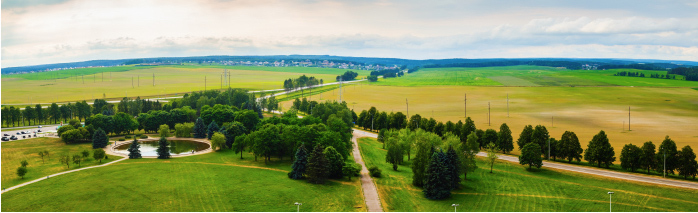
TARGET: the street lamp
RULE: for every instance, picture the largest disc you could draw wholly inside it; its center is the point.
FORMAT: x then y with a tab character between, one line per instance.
299	206
610	196
455	207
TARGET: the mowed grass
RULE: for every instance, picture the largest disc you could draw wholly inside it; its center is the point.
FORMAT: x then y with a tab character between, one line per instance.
512	187
655	112
217	181
169	81
13	152
530	76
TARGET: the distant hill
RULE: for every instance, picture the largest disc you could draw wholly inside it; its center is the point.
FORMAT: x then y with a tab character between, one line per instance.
572	63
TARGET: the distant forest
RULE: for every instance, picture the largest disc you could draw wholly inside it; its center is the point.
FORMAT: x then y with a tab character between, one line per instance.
408	63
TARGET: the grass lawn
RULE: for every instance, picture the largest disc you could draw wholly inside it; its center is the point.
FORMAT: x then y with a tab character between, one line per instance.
655	112
217	181
512	187
169	81
13	152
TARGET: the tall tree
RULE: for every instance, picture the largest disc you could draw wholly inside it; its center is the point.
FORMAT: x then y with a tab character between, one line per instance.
669	148
469	149
40	114
569	147
134	150
437	181
199	128
504	139
217	141
99	139
468	128
318	166
454	167
648	158
395	152
630	157
525	136
530	155
336	162
299	164
54	112
489	137
163	149
599	151
240	143
212	129
687	165
425	142
540	136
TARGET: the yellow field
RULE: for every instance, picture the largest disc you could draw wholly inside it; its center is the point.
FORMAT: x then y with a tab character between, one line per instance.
168	80
655	112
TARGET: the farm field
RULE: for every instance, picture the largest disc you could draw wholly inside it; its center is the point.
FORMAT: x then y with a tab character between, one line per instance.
529	76
655	112
511	187
13	152
217	181
169	80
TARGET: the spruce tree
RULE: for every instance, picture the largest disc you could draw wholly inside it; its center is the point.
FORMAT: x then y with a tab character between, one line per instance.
300	164
99	139
336	162
318	166
437	180
454	166
212	128
134	151
163	149
199	128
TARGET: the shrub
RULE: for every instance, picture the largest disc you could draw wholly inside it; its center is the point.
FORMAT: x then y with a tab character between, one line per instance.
183	130
122	139
127	137
144	136
374	171
138	135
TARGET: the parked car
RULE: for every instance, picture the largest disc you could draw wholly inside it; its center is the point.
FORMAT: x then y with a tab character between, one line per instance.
39	127
5	139
6	134
13	138
19	133
38	130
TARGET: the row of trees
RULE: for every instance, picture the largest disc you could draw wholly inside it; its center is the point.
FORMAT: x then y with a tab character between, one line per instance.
691	73
301	82
665	159
12	116
630	74
373	119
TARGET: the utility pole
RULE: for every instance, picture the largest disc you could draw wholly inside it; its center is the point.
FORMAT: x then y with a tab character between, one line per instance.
131	81
552	120
664	170
340	98
628	118
548	148
489	112
507	105
153	79
408	107
221	81
465	105
204	83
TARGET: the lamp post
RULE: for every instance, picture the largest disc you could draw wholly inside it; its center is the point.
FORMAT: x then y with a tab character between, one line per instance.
610	196
299	206
455	207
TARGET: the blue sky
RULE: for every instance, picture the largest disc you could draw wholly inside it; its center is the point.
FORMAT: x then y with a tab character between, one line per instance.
54	31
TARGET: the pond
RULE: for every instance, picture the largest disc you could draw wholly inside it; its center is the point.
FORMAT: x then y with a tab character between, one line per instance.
177	147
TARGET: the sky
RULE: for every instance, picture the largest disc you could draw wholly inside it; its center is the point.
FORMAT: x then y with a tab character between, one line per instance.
56	31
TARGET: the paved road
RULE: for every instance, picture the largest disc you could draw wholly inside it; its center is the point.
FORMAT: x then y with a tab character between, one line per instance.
60	173
588	170
373	202
282	93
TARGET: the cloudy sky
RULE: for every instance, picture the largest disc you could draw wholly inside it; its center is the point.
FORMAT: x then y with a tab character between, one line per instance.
54	31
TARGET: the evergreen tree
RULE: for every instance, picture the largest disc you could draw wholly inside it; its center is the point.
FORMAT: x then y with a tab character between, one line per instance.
437	181
163	149
336	162
134	151
454	167
648	159
99	139
318	166
300	164
530	155
212	129
600	151
199	128
504	140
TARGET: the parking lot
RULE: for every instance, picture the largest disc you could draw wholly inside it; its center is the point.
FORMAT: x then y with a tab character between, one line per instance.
23	134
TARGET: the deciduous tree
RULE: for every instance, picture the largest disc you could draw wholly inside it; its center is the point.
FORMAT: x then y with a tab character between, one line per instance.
630	157
648	158
336	162
687	165
504	139
599	151
99	154
530	155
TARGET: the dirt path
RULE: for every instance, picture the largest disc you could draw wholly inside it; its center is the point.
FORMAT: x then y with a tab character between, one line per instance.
373	202
60	173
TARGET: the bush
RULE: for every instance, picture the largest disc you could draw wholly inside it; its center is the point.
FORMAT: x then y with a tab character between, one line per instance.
127	137
138	135
122	139
144	136
183	130
374	171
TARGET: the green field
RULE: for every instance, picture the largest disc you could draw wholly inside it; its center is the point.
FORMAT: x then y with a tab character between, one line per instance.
514	188
529	76
13	152
217	181
118	82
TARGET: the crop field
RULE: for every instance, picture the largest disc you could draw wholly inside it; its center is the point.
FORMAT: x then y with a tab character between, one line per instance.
13	152
530	76
117	82
512	187
218	181
655	112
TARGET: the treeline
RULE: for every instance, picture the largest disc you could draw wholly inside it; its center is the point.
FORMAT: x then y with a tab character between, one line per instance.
14	116
630	74
691	73
643	66
665	159
347	76
301	82
567	64
387	73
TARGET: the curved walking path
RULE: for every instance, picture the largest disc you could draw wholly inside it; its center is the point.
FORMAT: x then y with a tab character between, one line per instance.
373	201
60	173
587	170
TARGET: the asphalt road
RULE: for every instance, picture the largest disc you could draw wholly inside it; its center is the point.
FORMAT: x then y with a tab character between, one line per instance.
587	170
14	130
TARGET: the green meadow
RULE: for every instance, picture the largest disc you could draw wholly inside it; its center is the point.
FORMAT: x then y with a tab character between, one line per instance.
218	181
512	187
